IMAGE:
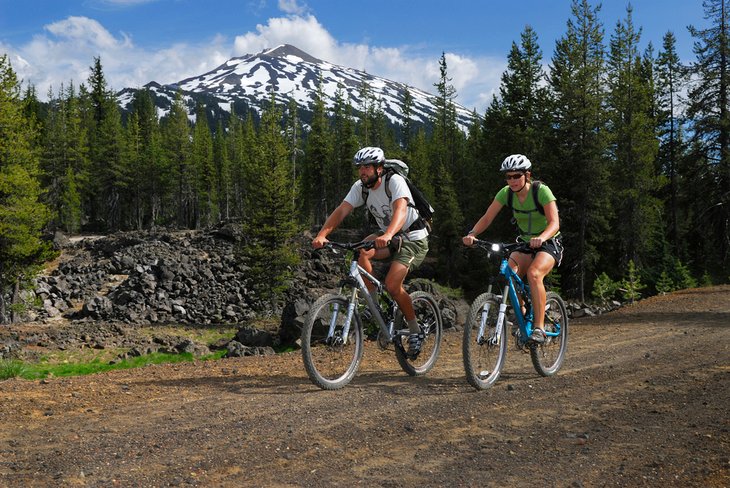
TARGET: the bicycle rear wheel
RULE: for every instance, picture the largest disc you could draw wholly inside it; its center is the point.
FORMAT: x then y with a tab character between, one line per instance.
331	362
484	357
428	315
548	356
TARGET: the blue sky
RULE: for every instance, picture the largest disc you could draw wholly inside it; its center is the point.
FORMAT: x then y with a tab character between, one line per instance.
53	42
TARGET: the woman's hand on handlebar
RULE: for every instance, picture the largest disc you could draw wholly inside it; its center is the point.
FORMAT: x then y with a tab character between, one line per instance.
468	240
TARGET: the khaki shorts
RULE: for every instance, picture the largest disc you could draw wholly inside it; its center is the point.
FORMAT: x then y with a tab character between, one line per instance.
412	253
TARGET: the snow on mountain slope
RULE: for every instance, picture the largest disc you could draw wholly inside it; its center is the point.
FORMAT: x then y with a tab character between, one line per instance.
295	74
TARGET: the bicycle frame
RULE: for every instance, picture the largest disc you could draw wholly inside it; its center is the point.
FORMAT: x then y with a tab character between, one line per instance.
356	273
524	321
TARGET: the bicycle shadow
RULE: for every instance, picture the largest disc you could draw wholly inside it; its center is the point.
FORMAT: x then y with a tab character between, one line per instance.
284	384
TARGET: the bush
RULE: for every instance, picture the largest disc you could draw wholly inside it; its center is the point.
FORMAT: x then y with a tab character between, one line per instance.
665	284
631	286
604	288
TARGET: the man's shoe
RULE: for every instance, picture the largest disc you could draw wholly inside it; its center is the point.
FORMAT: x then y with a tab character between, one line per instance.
415	341
538	335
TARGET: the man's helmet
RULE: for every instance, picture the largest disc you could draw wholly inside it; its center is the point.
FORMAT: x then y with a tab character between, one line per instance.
516	162
369	155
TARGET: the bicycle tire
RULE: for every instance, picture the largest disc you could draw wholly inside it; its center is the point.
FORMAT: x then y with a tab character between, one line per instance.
428	315
483	362
548	357
331	366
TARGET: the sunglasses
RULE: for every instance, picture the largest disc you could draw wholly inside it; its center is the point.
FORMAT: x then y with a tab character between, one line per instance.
514	177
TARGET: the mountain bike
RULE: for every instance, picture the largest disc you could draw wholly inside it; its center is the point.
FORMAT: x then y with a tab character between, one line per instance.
485	339
333	336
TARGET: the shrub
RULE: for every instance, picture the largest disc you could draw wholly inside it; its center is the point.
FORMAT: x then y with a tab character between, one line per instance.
604	288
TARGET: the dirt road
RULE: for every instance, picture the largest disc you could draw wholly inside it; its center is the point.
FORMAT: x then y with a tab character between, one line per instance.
642	400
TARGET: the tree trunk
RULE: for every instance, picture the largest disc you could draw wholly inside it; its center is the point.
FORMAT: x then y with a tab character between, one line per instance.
16	296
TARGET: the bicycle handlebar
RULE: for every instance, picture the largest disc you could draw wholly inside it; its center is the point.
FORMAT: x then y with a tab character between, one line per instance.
501	248
394	244
349	246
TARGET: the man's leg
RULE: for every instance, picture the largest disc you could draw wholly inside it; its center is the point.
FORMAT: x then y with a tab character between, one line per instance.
394	284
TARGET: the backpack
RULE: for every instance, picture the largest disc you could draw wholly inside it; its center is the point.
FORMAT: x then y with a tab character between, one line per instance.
420	203
534	188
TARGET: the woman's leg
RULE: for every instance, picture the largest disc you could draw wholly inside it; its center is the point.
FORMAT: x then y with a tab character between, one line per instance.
538	270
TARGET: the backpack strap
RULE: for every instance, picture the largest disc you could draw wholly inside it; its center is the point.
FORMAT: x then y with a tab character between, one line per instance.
534	189
420	223
387	174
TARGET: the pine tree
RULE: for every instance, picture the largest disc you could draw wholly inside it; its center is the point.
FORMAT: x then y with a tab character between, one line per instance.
64	146
670	81
149	178
445	156
22	215
580	145
344	145
449	229
709	108
633	145
107	171
631	285
70	210
270	224
222	165
177	147
318	157
202	161
525	99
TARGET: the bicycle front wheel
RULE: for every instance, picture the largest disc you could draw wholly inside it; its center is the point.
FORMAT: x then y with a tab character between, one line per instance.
330	360
484	355
548	356
429	318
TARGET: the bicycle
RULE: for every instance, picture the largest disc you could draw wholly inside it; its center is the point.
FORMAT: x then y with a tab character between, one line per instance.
485	339
333	336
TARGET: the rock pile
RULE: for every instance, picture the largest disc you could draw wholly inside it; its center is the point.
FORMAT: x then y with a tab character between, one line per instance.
184	277
196	278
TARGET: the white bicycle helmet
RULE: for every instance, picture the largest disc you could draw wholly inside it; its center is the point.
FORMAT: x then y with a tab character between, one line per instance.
516	162
369	155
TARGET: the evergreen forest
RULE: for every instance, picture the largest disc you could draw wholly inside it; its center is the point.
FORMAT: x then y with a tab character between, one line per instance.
634	144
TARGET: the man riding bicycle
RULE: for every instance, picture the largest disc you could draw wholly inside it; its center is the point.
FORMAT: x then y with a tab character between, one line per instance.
538	226
399	223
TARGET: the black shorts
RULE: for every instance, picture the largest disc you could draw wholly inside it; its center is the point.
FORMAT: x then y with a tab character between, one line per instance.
553	247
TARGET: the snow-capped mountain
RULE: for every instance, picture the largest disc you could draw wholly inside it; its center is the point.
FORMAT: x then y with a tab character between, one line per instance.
292	73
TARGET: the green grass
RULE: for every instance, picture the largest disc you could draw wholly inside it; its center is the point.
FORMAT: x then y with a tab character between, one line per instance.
32	371
11	369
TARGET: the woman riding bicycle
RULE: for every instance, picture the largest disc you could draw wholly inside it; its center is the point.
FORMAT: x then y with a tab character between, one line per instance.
536	216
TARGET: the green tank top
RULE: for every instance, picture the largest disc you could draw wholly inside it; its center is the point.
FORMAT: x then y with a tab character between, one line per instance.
528	218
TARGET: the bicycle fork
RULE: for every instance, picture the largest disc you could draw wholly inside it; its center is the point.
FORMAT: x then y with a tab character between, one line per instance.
497	336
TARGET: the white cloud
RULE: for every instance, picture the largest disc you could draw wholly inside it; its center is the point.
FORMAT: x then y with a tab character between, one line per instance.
66	50
292	7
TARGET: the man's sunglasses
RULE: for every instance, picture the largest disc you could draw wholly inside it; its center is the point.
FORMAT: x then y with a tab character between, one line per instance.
514	177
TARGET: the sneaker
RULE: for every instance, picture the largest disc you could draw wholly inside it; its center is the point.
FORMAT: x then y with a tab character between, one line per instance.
538	335
415	341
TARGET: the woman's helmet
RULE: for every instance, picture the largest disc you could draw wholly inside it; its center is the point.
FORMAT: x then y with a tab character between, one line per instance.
369	155
516	162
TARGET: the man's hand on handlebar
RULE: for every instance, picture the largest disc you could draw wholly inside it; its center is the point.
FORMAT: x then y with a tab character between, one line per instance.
319	242
382	241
